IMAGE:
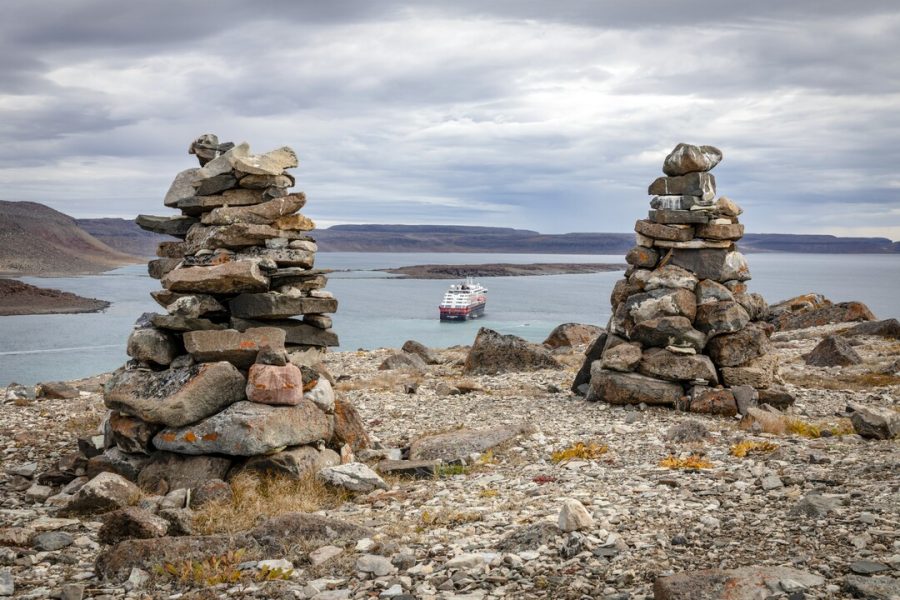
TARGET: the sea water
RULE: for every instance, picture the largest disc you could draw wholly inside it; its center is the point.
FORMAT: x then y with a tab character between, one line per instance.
379	310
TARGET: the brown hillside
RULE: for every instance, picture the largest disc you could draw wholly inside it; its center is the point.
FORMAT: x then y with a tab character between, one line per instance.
37	240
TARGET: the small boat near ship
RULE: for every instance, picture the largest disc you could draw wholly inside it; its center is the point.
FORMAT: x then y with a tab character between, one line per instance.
463	301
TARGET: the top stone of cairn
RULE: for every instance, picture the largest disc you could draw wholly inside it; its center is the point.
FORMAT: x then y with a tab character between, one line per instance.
687	158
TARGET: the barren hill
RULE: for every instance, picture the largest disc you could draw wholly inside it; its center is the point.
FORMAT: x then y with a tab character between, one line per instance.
37	240
124	235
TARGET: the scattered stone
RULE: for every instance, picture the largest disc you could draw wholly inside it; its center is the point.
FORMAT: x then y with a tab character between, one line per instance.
833	351
714	401
889	328
355	477
297	463
745	583
50	541
872	588
56	389
875	423
574	516
815	505
421	469
376	565
403	360
868	567
131	522
572	334
103	493
459	445
687	432
426	354
493	353
631	388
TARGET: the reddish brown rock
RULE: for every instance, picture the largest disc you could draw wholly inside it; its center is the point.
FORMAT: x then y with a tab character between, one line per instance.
572	334
812	310
640	256
131	434
745	583
348	426
712	231
271	384
658	231
713	401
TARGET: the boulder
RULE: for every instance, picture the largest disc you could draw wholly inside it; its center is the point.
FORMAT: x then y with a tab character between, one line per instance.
176	226
713	401
413	347
114	460
460	445
662	302
708	291
247	429
687	158
678	217
745	397
228	278
875	423
639	256
264	213
676	367
181	187
745	583
573	516
812	310
349	428
149	344
321	394
733	349
718	265
175	397
354	477
833	351
271	163
273	305
689	184
727	207
572	334
776	396
56	390
198	205
755	305
715	318
272	384
239	348
131	434
167	471
493	353
189	305
297	463
889	328
295	331
130	523
404	361
631	388
103	493
658	231
716	231
593	352
623	357
668	331
671	276
757	373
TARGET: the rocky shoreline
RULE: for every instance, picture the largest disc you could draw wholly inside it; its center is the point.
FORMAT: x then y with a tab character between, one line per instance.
500	270
573	499
17	298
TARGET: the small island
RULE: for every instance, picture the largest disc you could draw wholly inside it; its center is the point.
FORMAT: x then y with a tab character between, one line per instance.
17	298
501	270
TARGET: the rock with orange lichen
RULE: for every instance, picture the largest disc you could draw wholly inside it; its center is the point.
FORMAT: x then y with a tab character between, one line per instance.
274	384
237	347
248	428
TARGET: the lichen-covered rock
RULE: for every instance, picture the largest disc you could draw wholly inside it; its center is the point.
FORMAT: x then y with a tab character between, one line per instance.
426	354
297	463
663	364
733	349
572	334
833	351
745	583
152	345
716	318
493	353
875	423
593	352
348	426
131	434
631	388
240	348
713	401
812	310
131	523
229	278
669	331
623	357
103	493
167	471
272	384
687	158
639	256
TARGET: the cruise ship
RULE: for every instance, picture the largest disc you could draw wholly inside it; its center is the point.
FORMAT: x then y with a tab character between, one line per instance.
463	301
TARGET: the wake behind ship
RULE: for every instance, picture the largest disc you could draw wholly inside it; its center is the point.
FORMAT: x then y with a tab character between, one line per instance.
463	301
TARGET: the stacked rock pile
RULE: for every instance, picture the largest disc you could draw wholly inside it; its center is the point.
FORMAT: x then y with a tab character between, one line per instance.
227	373
685	331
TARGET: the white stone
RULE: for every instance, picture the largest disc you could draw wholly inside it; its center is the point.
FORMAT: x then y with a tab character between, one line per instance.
465	561
355	477
322	395
378	566
324	554
275	563
138	578
574	516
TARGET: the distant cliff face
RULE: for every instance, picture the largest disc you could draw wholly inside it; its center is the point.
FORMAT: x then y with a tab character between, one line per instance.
37	240
124	235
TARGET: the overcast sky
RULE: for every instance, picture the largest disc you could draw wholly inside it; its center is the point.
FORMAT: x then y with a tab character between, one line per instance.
552	116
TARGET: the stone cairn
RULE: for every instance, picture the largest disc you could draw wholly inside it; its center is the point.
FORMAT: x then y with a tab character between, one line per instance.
227	377
684	331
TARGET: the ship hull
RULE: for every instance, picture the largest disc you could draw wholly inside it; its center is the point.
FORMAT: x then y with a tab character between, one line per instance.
462	314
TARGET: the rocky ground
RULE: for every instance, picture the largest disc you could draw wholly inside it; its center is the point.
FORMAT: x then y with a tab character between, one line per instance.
827	507
17	298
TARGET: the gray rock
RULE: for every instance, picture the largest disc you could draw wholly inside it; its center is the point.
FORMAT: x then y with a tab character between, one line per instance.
295	331
872	588
889	328
152	345
733	349
668	331
56	390
420	350
296	463
131	434
868	567
758	373
745	583
103	493
745	398
52	540
687	432
129	523
678	217
7	584
177	226
175	397
631	388
258	214
875	423
214	185
674	367
639	256
228	278
776	396
624	357
833	351
403	360
459	445
672	277
378	566
815	505
708	291
167	471
273	305
571	334
713	401
355	477
247	429
716	318
771	482
687	158
529	537
689	184
420	469
114	460
493	353
658	231
322	395
661	302
181	187
718	265
574	516
212	490
236	347
593	352
72	591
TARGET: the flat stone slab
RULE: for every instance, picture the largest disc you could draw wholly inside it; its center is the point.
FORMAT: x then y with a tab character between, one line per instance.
745	583
197	205
631	388
248	429
175	397
295	331
177	226
229	278
272	305
690	184
238	348
459	446
658	231
678	217
264	213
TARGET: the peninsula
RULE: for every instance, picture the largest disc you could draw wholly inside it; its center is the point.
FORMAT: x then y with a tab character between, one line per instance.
501	270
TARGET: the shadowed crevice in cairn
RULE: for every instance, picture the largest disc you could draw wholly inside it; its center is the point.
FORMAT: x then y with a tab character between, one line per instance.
685	331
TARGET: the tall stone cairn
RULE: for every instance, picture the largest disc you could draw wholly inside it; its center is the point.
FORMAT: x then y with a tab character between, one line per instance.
685	332
225	377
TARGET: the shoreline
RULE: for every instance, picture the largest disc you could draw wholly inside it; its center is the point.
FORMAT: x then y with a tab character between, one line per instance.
21	299
500	270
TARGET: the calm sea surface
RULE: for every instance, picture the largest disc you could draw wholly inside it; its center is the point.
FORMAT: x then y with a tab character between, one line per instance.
382	311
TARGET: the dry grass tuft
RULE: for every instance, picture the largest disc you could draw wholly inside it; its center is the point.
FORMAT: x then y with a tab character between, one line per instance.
812	430
448	518
580	451
692	462
742	449
488	493
216	570
258	497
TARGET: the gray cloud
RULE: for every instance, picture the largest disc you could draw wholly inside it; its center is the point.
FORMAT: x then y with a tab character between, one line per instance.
547	116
